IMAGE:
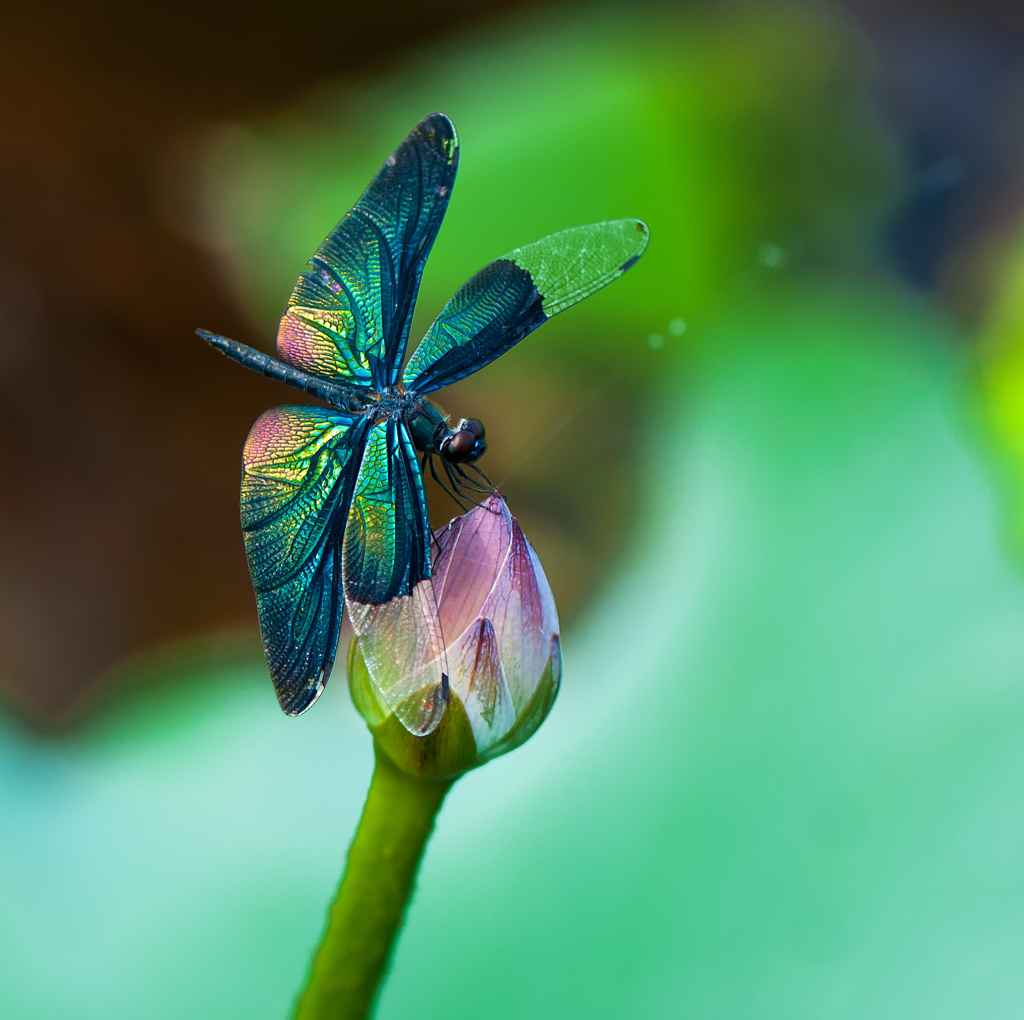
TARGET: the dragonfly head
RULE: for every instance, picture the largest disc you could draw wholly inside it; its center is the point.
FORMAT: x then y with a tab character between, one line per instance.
464	444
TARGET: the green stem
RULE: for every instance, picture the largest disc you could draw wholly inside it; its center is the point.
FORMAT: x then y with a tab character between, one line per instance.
375	889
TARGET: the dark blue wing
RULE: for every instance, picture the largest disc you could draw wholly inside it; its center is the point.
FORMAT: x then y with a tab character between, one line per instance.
348	317
388	591
299	470
387	536
512	296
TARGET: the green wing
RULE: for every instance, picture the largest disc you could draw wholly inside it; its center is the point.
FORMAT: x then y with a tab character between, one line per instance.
515	294
298	471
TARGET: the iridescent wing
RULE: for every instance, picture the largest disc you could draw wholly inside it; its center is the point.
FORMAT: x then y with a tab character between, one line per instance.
298	473
512	296
387	537
386	570
348	317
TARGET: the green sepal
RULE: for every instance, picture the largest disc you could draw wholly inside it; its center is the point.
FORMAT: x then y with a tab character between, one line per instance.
445	753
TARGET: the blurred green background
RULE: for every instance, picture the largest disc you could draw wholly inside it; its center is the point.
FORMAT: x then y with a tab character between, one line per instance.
775	475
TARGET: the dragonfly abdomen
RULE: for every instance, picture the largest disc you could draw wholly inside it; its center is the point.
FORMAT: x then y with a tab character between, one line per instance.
333	393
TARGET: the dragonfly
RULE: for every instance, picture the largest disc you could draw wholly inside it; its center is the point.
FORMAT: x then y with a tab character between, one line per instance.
333	509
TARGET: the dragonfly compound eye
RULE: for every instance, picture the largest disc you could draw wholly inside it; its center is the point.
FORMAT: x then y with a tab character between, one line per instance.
475	427
466	443
458	447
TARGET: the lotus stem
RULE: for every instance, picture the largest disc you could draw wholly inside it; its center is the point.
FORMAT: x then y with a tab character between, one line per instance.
375	890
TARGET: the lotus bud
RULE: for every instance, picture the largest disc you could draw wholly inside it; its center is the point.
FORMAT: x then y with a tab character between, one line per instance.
500	630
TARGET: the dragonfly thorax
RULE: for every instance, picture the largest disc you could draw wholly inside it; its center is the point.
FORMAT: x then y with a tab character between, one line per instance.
393	402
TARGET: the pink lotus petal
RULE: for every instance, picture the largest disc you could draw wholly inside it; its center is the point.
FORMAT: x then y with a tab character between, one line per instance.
480	682
488	571
473	552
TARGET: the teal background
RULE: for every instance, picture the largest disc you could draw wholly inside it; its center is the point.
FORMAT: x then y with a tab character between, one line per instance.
783	776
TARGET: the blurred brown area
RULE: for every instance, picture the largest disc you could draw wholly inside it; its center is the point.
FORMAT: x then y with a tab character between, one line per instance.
120	433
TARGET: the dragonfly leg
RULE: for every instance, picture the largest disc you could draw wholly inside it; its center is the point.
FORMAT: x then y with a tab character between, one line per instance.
434	475
461	481
491	487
